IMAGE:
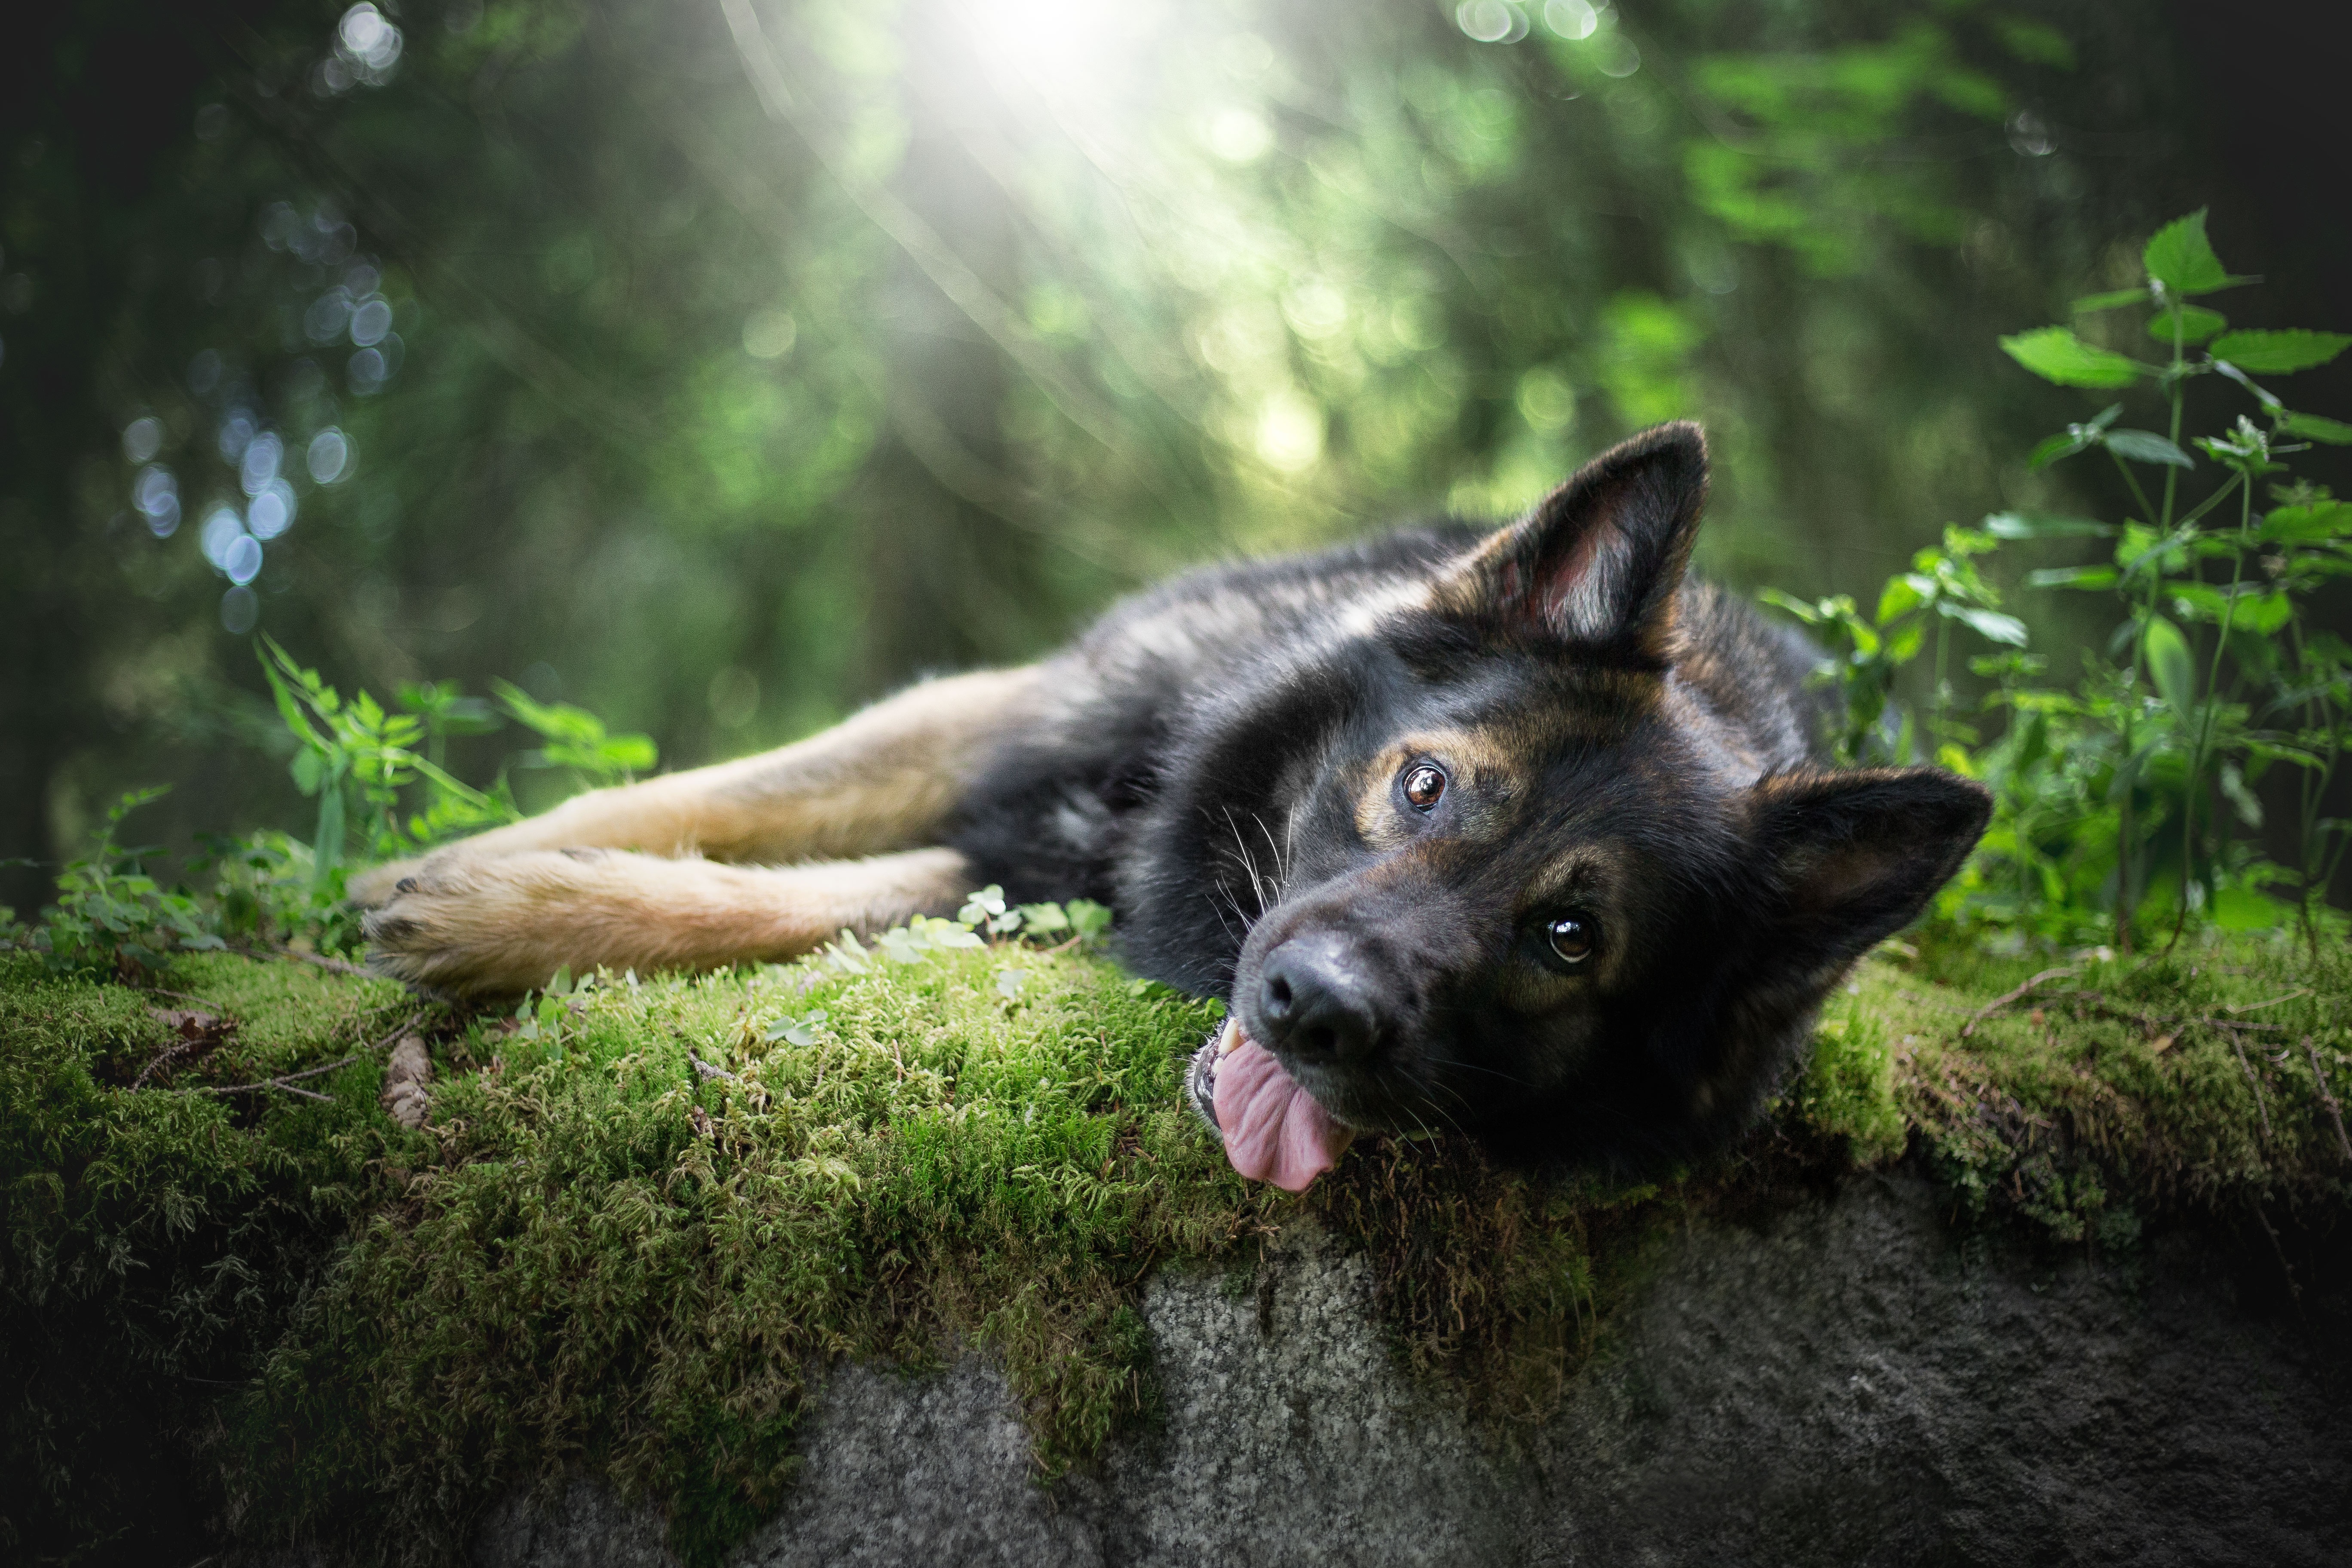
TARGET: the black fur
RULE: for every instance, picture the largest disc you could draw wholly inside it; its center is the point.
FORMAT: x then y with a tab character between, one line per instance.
1208	762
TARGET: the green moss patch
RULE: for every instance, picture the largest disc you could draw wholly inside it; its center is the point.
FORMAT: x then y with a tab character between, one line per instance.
647	1216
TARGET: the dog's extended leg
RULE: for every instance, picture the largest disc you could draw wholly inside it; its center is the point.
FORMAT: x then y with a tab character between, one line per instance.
507	924
885	779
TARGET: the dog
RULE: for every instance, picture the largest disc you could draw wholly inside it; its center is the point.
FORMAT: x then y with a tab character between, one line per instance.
1518	832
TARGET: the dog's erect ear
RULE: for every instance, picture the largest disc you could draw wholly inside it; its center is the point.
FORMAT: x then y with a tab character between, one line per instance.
1598	561
1854	856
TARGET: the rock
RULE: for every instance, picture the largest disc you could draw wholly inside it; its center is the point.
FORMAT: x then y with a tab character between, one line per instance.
1842	1385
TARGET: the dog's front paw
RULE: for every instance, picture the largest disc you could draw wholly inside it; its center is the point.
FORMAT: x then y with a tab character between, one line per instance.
373	887
455	925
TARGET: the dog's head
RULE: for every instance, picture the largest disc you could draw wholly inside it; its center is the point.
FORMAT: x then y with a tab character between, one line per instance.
1505	867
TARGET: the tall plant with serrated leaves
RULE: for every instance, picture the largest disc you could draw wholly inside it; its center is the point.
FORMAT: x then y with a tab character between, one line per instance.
2142	776
2213	674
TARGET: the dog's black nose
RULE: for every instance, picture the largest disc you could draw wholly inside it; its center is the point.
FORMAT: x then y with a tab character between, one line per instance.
1317	1000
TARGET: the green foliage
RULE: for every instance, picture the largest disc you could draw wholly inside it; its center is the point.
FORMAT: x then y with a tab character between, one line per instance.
576	738
2139	782
1942	588
357	759
111	918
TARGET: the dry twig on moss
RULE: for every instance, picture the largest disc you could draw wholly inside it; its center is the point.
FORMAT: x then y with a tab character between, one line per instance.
1997	1003
2327	1096
334	965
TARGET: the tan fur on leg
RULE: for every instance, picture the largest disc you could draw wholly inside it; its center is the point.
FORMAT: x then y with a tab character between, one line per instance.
506	924
883	780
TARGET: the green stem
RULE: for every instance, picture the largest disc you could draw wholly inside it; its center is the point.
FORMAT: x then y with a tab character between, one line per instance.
2195	789
2141	495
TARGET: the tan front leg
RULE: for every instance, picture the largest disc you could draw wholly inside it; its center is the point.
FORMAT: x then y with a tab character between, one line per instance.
508	923
885	779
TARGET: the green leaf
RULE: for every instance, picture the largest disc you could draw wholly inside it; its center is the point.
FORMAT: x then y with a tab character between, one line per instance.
2169	662
2054	447
2196	324
2279	352
2148	447
1901	596
2314	524
2197	601
1781	600
2085	577
1045	917
2311	426
2053	354
2263	614
1990	624
2181	258
2110	301
2065	444
2040	525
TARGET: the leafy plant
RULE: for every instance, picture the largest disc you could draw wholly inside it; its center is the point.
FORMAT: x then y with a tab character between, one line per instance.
357	759
2215	682
2141	780
111	918
577	739
1941	588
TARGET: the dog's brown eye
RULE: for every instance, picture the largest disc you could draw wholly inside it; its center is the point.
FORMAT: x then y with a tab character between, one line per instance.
1573	939
1423	786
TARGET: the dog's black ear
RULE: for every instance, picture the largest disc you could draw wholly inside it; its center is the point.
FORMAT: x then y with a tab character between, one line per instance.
1852	857
1598	561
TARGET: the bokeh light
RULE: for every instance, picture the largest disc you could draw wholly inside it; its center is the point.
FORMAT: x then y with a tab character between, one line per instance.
240	610
142	438
156	493
1571	19
769	334
272	511
328	457
258	464
221	531
242	561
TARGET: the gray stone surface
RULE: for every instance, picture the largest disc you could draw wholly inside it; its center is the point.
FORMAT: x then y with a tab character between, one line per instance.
1837	1386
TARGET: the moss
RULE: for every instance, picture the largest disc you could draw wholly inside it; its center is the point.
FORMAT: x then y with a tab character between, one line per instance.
603	1255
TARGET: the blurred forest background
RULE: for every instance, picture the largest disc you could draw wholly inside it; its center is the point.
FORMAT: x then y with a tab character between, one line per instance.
719	366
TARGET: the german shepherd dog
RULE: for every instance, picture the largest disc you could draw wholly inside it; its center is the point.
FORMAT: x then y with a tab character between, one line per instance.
1518	832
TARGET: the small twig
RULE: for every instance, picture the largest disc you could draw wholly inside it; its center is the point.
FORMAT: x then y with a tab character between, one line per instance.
706	1070
252	1088
1997	1003
2260	1104
163	1058
2327	1096
283	1080
2258	1007
336	964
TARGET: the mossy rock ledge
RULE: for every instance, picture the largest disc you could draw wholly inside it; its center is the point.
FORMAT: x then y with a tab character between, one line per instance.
913	1256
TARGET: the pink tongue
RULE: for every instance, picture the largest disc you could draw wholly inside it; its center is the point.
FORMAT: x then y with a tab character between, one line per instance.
1274	1129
